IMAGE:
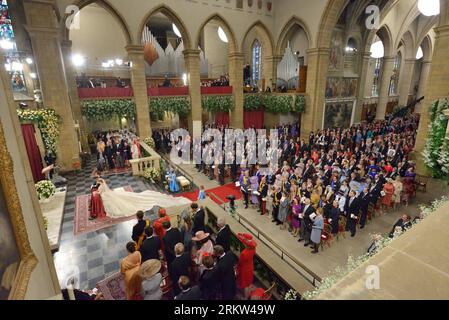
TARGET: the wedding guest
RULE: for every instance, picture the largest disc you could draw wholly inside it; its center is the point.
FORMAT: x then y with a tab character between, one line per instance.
296	210
198	218
245	266
151	246
208	280
138	234
186	232
130	268
171	238
317	229
224	234
188	292
180	266
226	262
335	217
203	244
151	280
352	208
284	208
202	194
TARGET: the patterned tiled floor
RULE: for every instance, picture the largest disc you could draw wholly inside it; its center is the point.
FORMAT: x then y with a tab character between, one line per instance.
95	255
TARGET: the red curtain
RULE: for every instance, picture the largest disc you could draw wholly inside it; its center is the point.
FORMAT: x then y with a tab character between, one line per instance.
113	92
34	155
254	119
222	119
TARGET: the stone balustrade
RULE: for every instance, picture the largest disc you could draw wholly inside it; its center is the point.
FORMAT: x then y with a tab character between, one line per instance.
140	165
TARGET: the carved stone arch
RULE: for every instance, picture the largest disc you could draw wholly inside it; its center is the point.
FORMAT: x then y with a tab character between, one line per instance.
264	36
408	42
385	35
169	13
109	8
427	48
286	32
233	46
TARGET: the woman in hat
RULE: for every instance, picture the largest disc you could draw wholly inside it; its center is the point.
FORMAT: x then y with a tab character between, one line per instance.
204	246
151	280
130	267
245	267
397	190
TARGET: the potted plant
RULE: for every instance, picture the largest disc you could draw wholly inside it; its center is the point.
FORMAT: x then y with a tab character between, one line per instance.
45	190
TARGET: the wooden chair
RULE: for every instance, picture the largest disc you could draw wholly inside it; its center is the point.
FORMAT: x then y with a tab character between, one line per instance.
326	236
341	228
421	183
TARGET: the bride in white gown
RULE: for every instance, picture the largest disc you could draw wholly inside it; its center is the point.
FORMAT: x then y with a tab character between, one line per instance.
121	203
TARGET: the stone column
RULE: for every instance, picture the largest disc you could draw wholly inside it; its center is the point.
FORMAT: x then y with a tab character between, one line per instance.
425	70
192	62
236	81
312	119
436	88
44	34
361	93
70	73
139	85
387	72
405	81
270	70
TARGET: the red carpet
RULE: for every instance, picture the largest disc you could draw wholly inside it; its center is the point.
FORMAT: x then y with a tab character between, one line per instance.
218	195
82	223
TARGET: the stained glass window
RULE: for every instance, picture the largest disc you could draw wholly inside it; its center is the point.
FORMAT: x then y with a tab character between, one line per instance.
13	63
376	78
394	81
257	52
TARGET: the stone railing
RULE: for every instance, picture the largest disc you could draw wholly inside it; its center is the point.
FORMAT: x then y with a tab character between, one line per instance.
140	165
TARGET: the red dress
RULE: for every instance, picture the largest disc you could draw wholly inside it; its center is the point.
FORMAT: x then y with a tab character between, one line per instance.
159	229
389	192
245	268
96	205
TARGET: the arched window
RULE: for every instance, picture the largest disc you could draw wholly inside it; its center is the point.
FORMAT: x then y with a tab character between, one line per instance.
394	81
376	78
257	56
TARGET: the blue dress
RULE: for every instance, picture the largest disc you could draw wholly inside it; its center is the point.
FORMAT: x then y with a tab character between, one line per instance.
174	187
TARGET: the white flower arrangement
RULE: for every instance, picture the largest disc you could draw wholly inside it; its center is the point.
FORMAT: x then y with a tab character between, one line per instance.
291	295
150	142
45	189
152	175
353	263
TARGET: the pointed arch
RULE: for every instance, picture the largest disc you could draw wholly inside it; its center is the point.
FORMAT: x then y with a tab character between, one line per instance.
169	13
408	42
233	46
109	8
384	34
427	48
329	19
264	36
286	32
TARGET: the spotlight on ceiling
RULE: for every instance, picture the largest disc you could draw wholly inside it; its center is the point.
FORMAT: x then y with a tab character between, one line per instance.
16	66
78	60
176	30
429	7
377	50
118	62
33	75
222	35
419	53
29	60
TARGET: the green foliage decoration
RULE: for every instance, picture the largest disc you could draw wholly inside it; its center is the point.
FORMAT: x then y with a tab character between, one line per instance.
217	103
99	110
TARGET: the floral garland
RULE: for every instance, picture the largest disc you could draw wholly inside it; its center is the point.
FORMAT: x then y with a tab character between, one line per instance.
353	263
217	103
45	189
278	104
274	103
300	104
252	102
436	151
48	122
99	110
176	105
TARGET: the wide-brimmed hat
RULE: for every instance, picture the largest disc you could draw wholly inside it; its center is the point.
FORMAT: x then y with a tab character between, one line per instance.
149	268
247	239
200	235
